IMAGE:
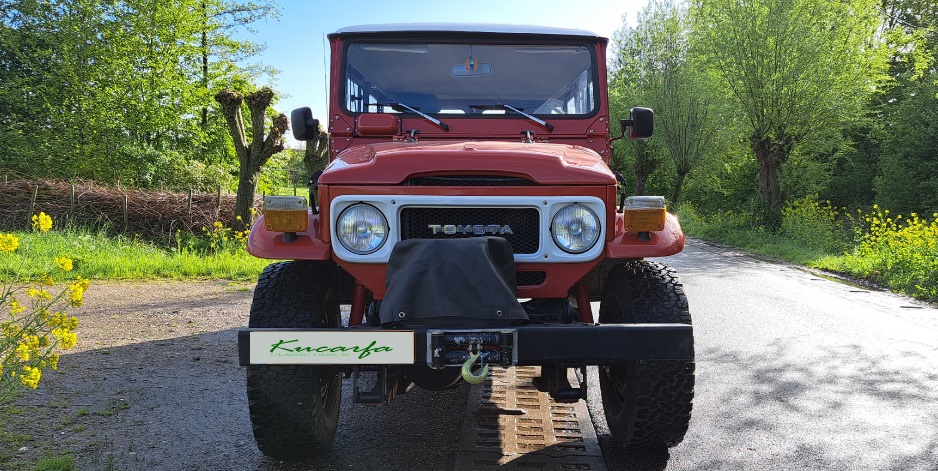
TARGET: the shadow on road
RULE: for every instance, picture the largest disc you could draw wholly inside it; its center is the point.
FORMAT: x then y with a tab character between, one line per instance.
838	406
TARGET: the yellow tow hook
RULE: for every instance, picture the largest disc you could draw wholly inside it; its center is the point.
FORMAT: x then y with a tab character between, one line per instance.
467	373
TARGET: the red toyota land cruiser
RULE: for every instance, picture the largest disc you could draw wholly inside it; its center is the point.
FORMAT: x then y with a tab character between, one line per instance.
468	216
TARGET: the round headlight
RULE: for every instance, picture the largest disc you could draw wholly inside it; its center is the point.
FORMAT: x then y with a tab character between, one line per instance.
575	228
361	229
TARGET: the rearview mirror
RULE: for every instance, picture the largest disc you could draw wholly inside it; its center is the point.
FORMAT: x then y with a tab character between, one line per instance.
481	69
305	128
642	123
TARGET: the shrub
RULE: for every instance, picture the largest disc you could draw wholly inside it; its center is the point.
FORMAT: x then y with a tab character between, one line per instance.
214	240
34	322
899	252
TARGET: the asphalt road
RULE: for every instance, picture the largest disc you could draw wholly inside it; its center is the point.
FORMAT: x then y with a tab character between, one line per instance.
798	372
793	372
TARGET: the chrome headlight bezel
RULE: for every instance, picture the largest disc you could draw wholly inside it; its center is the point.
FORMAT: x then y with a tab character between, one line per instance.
343	228
593	227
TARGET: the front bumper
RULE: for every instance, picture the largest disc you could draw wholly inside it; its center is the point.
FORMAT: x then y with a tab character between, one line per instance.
584	344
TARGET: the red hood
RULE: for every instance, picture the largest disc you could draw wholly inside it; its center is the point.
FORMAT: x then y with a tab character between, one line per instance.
394	162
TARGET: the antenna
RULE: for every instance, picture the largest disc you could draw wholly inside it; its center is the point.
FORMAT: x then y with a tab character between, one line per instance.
325	75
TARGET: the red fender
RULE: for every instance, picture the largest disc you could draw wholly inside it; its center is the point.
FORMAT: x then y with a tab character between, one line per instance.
663	243
307	246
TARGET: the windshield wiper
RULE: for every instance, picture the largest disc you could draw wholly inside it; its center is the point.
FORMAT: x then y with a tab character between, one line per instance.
513	110
401	106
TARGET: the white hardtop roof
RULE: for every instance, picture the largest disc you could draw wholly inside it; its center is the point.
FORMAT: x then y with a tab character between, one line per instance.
463	28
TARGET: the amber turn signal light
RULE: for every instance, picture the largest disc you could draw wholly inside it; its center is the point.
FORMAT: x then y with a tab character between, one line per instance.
645	213
285	214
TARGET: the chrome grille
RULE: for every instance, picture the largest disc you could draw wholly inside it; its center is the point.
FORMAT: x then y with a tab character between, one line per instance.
525	224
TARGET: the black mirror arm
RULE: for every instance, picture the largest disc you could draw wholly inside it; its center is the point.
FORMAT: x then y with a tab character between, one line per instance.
623	124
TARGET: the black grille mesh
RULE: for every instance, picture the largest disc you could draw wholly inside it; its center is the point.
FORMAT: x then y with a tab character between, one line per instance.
469	180
531	278
524	222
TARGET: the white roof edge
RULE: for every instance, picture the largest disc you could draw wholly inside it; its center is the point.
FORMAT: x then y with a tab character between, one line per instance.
464	28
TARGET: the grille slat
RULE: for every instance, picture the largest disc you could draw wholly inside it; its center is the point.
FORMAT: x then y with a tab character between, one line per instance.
524	223
531	278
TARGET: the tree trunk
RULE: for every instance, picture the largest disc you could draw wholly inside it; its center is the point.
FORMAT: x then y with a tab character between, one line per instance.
646	162
678	185
316	155
247	185
640	179
251	155
770	153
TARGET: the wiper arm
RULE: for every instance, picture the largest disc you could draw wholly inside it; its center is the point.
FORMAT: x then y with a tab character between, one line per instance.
513	110
414	110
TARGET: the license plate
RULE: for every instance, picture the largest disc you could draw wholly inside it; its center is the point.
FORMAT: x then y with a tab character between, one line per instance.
332	348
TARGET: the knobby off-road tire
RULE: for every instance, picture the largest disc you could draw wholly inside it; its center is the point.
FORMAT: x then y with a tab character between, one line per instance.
294	409
648	403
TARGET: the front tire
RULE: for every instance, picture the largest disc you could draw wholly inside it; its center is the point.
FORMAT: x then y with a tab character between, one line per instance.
647	403
294	409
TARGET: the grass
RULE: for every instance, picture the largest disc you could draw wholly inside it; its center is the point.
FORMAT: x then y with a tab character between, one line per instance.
100	257
55	463
895	252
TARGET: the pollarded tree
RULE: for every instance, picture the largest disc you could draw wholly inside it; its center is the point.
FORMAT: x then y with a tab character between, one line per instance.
253	154
797	69
657	59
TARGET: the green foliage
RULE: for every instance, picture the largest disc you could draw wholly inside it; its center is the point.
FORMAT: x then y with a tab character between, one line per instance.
895	251
56	463
122	90
99	257
909	169
34	323
769	54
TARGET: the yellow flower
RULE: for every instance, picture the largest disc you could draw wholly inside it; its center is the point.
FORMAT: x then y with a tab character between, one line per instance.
16	307
8	243
218	224
42	221
22	352
76	291
67	338
64	263
31	342
31	376
54	360
46	280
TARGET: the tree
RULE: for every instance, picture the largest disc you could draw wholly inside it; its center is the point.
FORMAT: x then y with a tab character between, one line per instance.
316	155
656	57
908	180
117	89
799	70
253	154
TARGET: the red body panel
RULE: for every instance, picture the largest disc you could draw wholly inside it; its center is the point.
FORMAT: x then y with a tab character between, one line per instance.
392	163
371	156
628	245
560	277
307	246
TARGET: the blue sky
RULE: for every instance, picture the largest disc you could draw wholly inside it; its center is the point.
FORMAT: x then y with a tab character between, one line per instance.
296	44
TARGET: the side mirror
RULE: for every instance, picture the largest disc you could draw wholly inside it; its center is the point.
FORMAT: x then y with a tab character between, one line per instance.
642	123
305	128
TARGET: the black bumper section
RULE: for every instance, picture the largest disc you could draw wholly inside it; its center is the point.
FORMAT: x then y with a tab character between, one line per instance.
549	344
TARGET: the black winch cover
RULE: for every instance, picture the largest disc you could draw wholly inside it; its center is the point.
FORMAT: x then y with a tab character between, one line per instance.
455	281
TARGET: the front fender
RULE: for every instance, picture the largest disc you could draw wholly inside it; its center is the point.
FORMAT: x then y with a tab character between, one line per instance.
307	246
662	243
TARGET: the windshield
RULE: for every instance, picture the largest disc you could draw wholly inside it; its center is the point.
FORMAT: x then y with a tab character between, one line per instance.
470	79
